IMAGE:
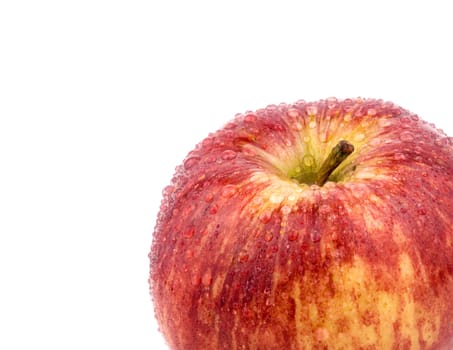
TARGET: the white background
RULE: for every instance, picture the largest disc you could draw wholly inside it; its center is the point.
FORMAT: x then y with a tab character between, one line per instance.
100	100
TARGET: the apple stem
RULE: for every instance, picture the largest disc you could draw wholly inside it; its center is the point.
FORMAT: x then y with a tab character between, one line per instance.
338	154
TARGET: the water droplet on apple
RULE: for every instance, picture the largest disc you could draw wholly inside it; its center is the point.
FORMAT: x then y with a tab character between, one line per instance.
312	110
277	127
209	197
306	139
269	302
247	151
399	156
292	198
406	136
268	236
405	121
288	142
243	257
297	126
384	122
421	211
189	254
293	113
228	154
308	160
312	124
202	177
228	191
253	131
293	235
230	125
315	236
371	112
359	112
191	162
286	210
210	158
359	137
276	198
168	190
300	103
207	141
265	217
347	117
196	280
250	118
331	101
442	141
189	233
213	210
322	334
271	108
207	278
257	200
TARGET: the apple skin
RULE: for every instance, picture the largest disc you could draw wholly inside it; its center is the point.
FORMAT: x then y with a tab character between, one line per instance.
248	254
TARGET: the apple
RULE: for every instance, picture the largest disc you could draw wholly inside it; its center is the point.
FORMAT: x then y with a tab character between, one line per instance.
324	225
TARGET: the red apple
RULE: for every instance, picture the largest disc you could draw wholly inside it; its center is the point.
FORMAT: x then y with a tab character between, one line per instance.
325	225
